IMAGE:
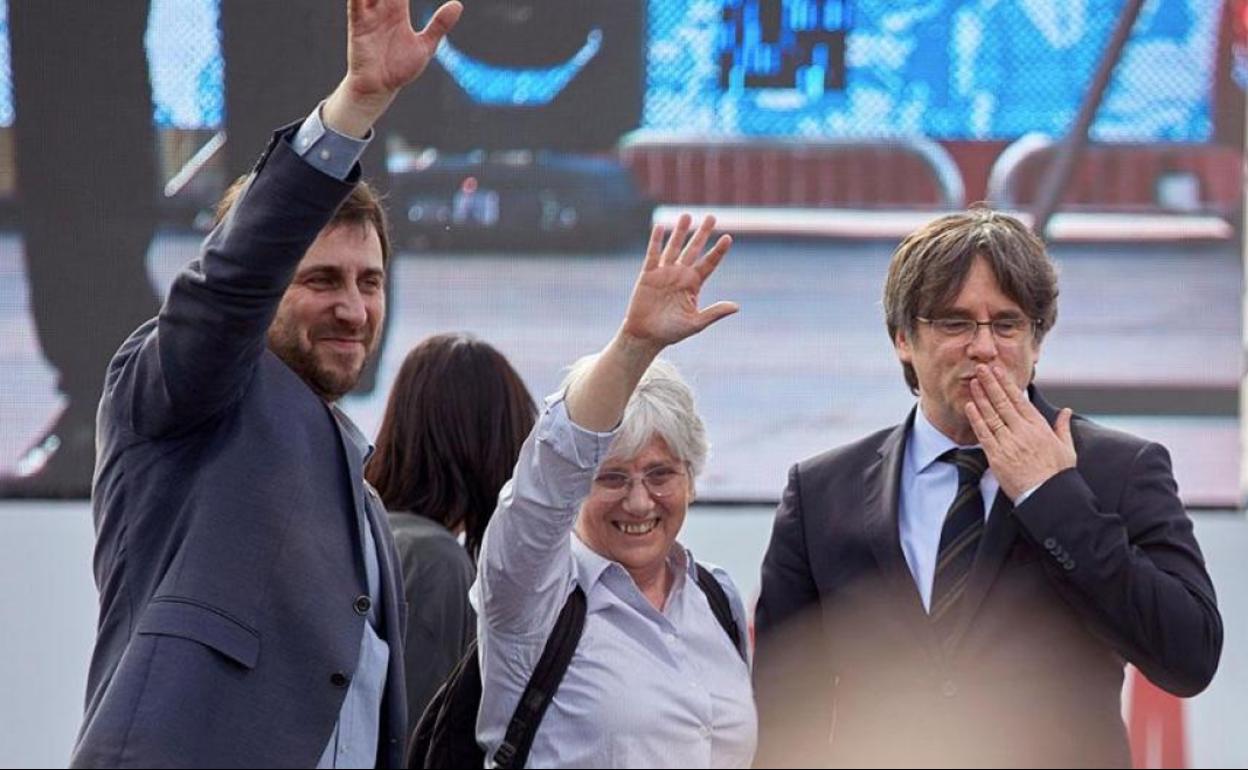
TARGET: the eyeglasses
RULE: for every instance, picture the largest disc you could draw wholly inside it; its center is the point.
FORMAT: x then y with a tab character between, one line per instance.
659	482
1008	328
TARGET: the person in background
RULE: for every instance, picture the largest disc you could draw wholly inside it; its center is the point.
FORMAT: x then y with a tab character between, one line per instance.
80	84
452	430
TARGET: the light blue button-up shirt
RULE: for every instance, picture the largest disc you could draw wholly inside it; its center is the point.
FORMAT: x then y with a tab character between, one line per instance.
357	731
327	150
356	734
646	688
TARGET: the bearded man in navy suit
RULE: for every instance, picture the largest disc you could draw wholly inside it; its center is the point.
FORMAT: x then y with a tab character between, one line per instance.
251	614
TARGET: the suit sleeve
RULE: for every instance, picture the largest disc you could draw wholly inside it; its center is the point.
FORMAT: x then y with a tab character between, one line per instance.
787	585
789	660
1135	574
200	353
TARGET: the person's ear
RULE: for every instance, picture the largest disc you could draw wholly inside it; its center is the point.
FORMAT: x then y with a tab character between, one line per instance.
901	343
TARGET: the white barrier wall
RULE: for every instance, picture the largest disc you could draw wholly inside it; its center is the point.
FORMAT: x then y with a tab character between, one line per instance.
48	614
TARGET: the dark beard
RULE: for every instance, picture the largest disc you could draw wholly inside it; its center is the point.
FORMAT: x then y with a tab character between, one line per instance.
327	383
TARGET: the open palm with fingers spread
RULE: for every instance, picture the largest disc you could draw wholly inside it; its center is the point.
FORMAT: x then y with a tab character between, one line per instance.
384	52
663	309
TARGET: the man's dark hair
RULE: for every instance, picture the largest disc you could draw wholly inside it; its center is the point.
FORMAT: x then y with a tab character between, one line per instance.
931	265
362	207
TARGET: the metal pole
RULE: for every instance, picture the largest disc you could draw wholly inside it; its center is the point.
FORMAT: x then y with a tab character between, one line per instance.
1056	177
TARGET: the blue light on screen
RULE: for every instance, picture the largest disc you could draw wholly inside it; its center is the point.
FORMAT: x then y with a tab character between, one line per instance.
520	87
184	63
772	44
947	69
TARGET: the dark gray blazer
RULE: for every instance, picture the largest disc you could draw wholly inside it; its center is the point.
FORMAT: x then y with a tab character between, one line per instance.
1097	568
437	573
228	555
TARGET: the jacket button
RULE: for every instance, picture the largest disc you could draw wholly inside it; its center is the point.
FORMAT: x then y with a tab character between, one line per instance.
1050	543
362	605
1069	565
949	689
339	679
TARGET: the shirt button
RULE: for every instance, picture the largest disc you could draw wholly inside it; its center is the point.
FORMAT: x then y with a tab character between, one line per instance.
949	689
362	605
704	731
339	679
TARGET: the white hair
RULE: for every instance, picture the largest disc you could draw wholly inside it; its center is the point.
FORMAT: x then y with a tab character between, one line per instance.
662	405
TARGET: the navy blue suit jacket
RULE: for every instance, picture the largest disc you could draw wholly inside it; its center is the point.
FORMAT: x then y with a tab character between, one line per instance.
1097	568
228	554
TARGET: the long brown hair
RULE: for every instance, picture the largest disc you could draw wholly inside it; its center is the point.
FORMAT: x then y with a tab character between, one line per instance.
457	416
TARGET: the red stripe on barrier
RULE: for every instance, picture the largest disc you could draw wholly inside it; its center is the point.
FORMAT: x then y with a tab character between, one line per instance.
1155	725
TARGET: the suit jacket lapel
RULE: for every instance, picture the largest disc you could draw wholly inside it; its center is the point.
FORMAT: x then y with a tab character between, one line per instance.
373	516
393	618
1044	407
355	477
391	580
882	482
367	510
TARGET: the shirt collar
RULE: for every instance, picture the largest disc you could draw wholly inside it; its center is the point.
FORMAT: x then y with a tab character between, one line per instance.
352	432
590	565
927	443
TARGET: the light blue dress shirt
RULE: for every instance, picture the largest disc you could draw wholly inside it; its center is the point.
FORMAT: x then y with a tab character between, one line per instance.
646	688
354	740
357	732
327	150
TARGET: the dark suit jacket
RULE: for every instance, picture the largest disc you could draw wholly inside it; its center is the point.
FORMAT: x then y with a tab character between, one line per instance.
437	573
1097	568
228	552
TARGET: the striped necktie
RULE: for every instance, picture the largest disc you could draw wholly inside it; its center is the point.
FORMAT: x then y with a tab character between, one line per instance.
959	537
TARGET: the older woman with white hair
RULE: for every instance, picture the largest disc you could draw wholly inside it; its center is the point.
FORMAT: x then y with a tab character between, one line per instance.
600	493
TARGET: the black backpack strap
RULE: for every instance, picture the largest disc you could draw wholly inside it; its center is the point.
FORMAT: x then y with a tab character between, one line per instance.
556	655
445	736
719	604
